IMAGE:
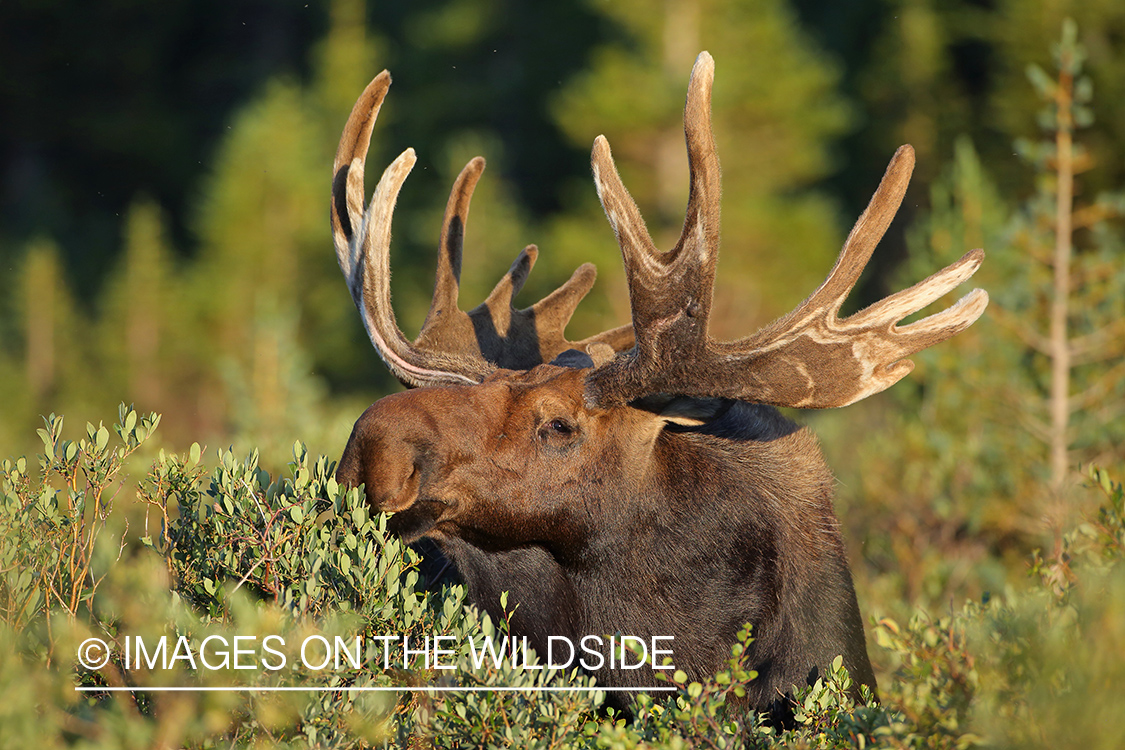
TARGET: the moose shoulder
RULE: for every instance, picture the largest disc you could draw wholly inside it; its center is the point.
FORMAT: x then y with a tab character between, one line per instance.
638	481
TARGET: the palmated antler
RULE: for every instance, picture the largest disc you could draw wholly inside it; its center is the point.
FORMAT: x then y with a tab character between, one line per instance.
454	346
809	358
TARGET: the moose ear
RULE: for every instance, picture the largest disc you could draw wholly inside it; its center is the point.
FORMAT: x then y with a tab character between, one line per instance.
692	412
573	358
684	411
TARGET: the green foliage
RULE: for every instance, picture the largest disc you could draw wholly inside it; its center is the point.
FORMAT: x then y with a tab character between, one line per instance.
232	552
227	553
981	448
934	678
706	714
1050	655
52	527
44	341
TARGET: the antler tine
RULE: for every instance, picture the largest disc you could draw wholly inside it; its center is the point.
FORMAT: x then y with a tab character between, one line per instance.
812	359
670	293
557	308
452	243
447	327
865	235
498	305
362	241
890	310
347	184
553	312
637	247
499	300
701	220
495	332
519	339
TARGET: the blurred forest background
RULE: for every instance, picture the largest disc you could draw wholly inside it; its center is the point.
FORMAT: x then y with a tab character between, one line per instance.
164	188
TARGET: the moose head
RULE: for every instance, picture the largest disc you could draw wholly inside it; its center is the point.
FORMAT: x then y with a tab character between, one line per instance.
637	481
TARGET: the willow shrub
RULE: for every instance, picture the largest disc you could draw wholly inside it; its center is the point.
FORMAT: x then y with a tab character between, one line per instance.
235	571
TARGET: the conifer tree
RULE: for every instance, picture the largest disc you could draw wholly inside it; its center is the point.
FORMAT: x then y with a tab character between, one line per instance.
1080	247
995	423
265	293
138	315
42	306
46	363
58	359
1025	31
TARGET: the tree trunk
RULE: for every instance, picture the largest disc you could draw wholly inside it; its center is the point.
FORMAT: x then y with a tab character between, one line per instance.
1059	342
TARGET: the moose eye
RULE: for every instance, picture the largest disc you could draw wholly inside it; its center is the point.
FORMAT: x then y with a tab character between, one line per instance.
560	426
557	428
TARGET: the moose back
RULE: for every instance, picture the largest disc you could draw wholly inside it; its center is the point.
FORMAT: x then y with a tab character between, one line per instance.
638	481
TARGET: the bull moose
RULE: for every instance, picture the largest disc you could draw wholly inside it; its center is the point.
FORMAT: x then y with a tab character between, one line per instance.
638	481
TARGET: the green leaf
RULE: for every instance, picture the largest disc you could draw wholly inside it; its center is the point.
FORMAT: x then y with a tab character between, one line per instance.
1042	82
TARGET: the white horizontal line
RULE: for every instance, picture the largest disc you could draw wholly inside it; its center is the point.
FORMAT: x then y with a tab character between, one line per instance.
373	689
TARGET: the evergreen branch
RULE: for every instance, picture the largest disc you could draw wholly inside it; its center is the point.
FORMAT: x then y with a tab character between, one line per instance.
1088	216
1085	349
1030	337
1098	391
1033	425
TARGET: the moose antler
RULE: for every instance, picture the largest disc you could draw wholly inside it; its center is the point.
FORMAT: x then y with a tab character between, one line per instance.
809	358
453	347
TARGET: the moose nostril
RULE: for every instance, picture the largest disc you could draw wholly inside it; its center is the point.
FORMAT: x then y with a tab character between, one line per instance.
407	492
